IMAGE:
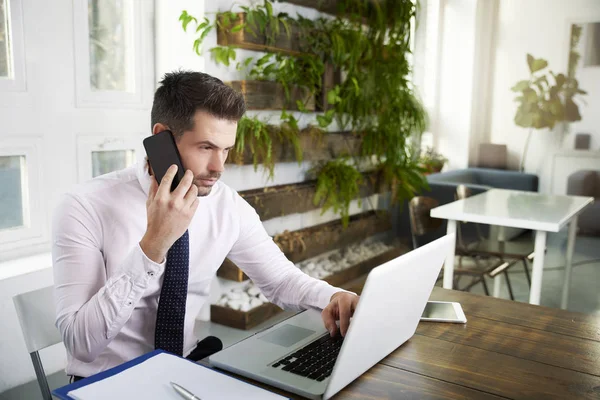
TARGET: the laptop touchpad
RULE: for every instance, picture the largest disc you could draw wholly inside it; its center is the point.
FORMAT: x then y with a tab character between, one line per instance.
287	335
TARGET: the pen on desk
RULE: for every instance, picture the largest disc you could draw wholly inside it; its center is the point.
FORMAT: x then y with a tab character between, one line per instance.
186	394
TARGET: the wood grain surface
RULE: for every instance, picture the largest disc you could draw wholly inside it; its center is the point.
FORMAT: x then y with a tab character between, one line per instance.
506	350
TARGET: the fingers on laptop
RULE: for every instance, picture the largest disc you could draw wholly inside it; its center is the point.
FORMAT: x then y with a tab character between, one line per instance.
329	319
340	309
347	305
345	314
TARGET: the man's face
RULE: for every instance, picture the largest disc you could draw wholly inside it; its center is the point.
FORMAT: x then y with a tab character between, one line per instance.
204	149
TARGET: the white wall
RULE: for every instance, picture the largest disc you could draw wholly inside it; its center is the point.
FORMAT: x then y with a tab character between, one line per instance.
539	27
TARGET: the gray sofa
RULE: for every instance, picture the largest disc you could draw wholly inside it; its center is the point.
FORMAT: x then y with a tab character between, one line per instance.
587	183
443	188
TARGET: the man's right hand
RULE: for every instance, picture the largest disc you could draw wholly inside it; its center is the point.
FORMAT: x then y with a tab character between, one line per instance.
169	213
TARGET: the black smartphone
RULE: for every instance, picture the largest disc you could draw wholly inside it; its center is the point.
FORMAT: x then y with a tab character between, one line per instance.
162	153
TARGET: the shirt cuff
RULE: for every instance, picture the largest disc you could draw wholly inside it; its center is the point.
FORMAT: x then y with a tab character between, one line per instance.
151	269
326	293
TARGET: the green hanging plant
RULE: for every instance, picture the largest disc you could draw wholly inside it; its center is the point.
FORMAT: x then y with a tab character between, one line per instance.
338	183
260	138
259	20
302	71
369	43
290	133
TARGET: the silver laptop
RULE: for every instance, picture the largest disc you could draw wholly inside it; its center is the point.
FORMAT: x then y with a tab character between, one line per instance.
298	355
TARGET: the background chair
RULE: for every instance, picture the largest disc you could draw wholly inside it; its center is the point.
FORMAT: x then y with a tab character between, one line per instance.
587	183
492	156
476	267
522	250
36	315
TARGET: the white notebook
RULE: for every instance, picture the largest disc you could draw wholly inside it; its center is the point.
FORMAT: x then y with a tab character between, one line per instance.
151	379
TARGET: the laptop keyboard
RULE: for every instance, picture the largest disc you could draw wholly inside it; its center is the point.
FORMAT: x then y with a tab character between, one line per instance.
315	360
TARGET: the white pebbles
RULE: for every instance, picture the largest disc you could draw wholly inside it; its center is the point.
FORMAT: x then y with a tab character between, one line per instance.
248	295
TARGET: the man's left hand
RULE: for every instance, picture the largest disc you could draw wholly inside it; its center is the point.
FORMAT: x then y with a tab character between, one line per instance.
341	307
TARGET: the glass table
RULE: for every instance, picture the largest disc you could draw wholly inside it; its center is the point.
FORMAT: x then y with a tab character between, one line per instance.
541	213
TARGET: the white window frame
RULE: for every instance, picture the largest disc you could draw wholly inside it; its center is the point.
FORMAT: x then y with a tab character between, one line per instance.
34	223
87	144
17	82
85	97
432	56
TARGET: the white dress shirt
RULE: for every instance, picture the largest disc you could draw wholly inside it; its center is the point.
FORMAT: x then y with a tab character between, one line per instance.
107	290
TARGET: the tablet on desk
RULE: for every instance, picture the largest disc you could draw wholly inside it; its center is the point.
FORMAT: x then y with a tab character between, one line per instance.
443	311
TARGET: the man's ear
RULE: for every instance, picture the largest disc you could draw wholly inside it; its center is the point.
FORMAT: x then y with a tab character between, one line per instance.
158	127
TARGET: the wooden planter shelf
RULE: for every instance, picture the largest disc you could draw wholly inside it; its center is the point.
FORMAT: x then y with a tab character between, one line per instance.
309	242
249	319
332	7
327	6
277	201
267	95
282	43
332	145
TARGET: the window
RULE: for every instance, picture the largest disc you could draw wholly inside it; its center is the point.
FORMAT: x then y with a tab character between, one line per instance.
109	69
104	162
426	60
22	220
5	62
12	63
111	46
13	192
431	53
100	154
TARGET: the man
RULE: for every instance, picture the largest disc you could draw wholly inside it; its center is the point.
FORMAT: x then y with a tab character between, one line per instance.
133	261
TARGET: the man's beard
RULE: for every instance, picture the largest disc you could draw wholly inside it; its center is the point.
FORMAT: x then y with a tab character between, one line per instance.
202	189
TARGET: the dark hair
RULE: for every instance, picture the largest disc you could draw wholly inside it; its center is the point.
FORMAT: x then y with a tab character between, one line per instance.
182	93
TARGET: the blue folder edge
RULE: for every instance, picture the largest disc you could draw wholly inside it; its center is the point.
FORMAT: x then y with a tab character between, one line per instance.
61	392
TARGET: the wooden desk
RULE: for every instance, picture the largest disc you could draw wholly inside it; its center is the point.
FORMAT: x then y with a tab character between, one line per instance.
505	350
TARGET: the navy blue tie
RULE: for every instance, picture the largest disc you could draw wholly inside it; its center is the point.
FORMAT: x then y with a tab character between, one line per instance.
170	316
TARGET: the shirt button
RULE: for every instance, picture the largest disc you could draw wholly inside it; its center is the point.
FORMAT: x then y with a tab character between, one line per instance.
151	273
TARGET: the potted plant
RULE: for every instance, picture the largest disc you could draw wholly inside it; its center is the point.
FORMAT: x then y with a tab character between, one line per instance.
432	161
545	99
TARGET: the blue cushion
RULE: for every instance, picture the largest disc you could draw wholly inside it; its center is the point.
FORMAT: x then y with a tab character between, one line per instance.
464	176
